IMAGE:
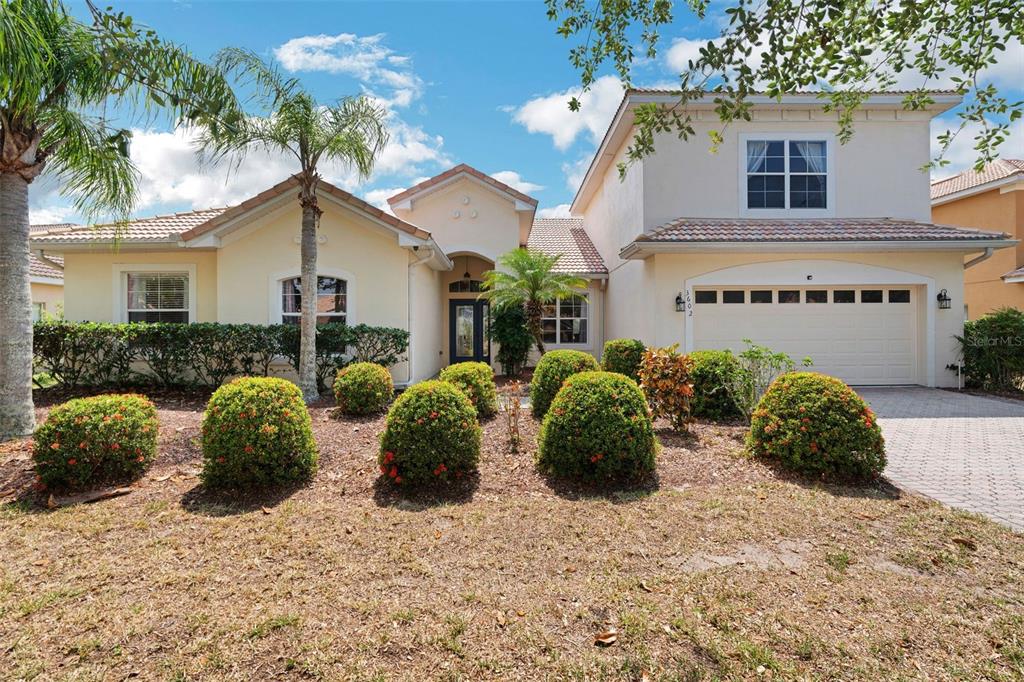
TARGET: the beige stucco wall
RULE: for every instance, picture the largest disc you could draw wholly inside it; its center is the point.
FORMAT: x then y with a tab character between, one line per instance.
946	269
998	211
876	174
494	231
50	295
89	280
253	260
428	337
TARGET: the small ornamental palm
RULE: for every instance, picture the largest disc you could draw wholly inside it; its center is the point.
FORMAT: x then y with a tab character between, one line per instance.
528	279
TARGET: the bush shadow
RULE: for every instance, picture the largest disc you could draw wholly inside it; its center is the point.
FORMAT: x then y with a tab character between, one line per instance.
460	491
211	502
615	491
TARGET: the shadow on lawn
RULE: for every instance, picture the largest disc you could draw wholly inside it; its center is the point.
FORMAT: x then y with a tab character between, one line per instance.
209	502
387	494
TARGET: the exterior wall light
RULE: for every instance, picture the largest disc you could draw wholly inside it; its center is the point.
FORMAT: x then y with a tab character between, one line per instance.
944	300
680	303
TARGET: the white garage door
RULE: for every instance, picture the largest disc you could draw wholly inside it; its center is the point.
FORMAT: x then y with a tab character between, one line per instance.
863	335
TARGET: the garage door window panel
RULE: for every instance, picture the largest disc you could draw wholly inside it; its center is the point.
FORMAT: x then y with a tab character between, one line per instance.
789	296
816	296
871	296
899	295
704	297
844	296
761	296
734	297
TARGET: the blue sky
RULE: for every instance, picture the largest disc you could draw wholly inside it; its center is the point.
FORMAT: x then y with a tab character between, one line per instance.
485	83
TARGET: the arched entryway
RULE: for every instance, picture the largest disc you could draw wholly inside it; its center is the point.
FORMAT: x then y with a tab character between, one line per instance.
466	316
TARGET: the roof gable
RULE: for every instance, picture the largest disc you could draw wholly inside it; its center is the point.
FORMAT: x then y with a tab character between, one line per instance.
452	175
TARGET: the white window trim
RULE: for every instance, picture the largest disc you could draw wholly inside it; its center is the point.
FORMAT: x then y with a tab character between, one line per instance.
120	285
276	310
830	176
558	318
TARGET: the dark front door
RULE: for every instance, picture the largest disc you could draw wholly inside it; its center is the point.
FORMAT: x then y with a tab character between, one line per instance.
467	331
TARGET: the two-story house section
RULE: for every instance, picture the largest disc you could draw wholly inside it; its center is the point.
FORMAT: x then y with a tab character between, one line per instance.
785	237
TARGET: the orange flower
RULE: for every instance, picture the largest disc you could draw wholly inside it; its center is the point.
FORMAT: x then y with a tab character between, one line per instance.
72	462
55	446
249	449
115	446
83	445
140	458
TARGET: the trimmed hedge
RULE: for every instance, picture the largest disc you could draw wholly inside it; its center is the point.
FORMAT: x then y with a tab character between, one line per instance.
713	373
553	369
256	433
363	388
202	353
816	424
476	380
623	356
95	440
598	427
992	348
431	434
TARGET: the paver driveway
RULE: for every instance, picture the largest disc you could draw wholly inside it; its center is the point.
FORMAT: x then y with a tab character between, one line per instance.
964	450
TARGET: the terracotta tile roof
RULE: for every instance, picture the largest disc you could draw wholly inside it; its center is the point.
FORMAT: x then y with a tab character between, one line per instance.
290	184
1019	272
51	227
37	268
192	224
160	228
566	236
808	230
969	179
451	173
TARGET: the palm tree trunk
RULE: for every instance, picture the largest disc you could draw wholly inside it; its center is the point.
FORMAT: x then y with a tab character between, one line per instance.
16	411
307	335
534	313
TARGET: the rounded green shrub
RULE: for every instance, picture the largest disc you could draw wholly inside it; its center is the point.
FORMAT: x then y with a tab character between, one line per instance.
553	369
476	380
816	424
713	372
623	356
95	440
256	433
363	388
431	434
598	427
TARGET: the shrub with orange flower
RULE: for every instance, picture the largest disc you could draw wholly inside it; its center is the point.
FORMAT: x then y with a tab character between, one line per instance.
363	388
816	424
256	433
476	380
431	435
666	378
93	440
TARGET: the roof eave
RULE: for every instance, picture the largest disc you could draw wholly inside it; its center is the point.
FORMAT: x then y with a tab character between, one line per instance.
1017	177
641	249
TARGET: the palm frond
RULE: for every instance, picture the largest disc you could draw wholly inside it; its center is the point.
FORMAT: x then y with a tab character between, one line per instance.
528	277
92	162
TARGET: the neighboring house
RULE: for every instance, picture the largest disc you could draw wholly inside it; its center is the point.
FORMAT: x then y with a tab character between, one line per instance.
992	199
47	277
783	236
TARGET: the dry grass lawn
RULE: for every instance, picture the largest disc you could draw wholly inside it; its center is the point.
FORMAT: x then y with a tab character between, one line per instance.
718	568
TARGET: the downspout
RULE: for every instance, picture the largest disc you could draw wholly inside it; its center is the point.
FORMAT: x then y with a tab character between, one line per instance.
421	261
53	264
989	250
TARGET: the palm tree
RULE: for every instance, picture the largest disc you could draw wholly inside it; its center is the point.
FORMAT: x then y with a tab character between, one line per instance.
56	73
527	279
351	131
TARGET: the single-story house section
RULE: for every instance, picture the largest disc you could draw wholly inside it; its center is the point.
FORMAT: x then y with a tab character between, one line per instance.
419	269
784	236
46	277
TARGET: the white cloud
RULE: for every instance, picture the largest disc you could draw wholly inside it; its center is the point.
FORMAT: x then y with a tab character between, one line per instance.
683	50
550	114
576	170
559	211
961	154
514	180
45	215
365	58
379	197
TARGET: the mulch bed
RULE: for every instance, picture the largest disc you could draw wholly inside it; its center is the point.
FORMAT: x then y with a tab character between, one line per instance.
715	567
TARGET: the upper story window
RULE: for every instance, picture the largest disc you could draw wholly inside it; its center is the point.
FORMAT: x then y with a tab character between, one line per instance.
787	174
331	300
565	321
157	297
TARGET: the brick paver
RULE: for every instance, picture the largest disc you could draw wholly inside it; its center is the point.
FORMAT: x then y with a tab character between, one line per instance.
964	450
